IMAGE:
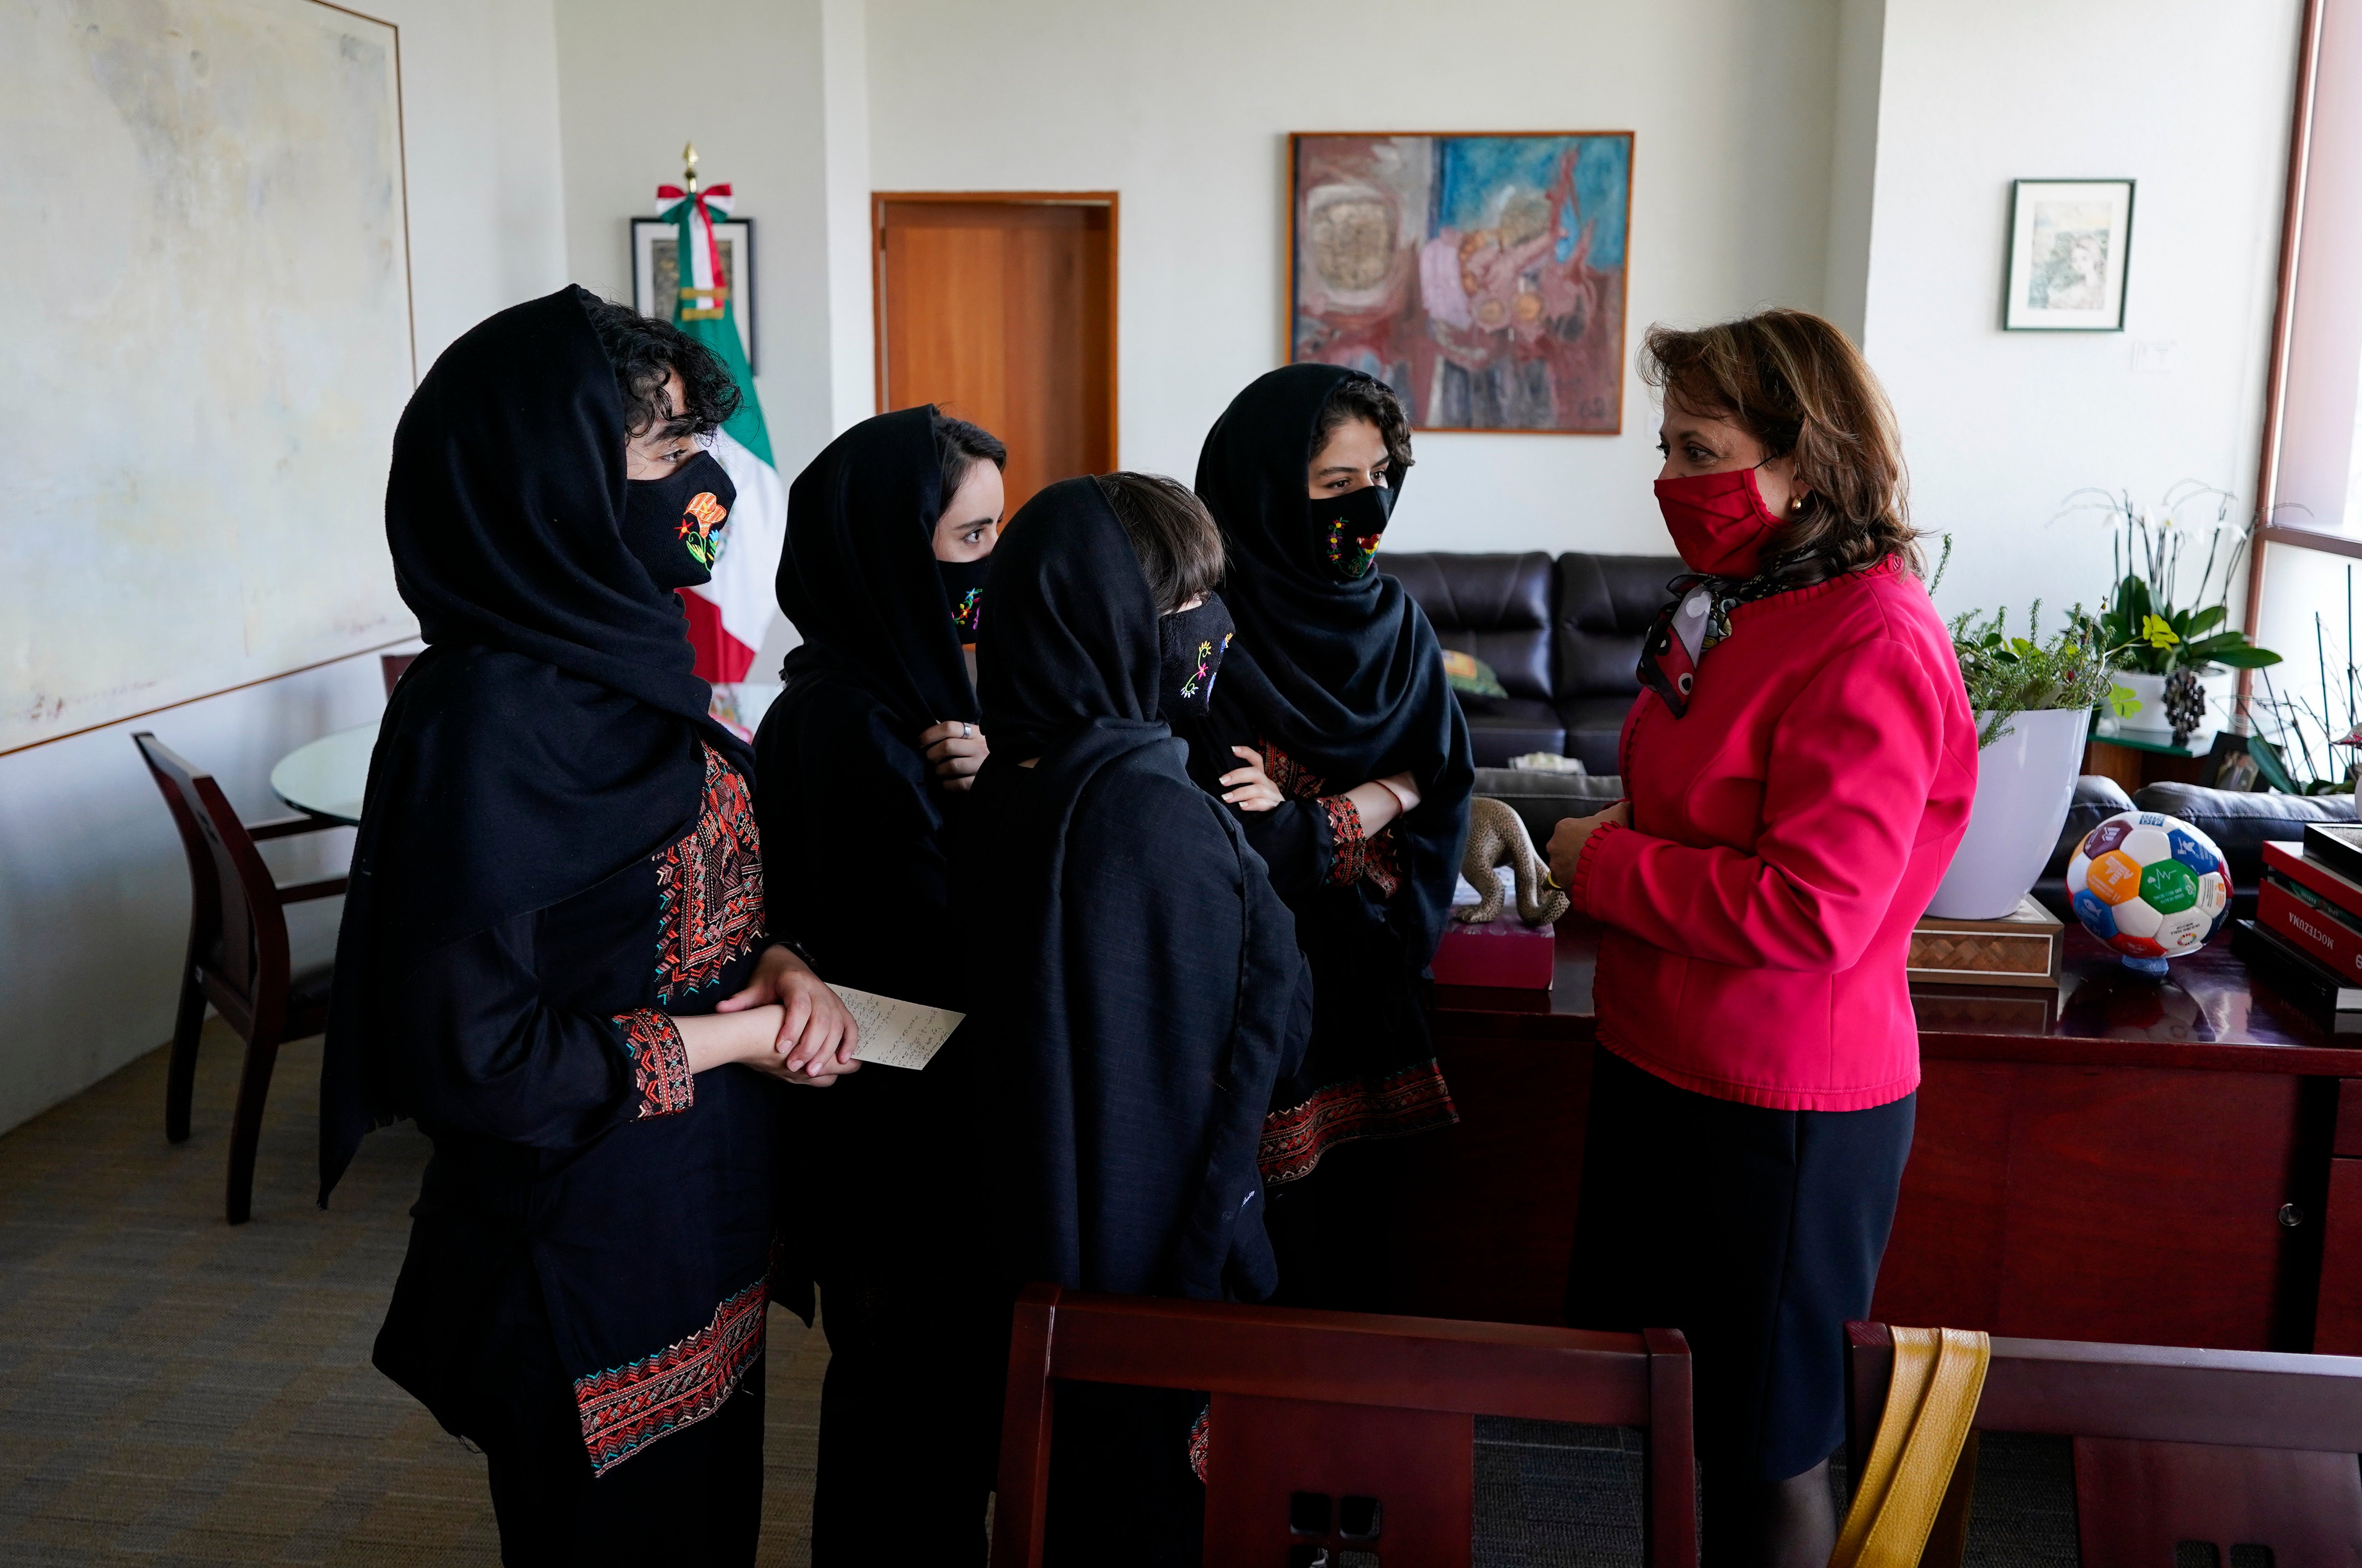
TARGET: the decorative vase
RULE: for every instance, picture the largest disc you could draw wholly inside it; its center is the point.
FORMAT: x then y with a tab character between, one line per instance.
2150	723
2025	782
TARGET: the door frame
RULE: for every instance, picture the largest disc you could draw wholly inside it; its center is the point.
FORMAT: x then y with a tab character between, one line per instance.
1111	200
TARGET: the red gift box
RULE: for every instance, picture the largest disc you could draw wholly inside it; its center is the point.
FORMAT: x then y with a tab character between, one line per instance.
1505	952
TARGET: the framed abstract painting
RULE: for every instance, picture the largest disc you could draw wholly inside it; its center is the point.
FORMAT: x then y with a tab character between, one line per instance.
1482	276
2069	241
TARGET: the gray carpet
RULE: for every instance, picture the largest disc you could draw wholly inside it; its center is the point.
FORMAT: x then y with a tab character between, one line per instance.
175	1391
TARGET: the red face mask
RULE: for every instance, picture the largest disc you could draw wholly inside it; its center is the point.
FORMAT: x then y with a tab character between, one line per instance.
1718	521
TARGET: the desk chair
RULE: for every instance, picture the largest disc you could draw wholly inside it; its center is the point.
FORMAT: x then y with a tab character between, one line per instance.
2222	1449
237	954
393	666
1375	1414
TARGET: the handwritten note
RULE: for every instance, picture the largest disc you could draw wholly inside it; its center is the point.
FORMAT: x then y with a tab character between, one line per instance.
895	1034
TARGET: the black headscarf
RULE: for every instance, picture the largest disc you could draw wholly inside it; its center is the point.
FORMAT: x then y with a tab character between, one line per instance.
1138	983
858	576
1344	675
550	734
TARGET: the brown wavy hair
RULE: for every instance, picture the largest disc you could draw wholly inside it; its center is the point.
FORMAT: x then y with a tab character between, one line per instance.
1792	381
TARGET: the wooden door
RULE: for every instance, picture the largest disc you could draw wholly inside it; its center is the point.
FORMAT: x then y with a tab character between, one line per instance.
1001	309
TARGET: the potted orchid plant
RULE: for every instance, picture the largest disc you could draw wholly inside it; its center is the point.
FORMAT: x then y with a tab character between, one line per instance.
2178	657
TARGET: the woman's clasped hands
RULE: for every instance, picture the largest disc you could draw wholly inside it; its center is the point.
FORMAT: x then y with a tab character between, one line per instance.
786	1023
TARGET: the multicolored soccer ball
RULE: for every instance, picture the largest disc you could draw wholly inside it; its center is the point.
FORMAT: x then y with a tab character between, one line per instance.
2150	886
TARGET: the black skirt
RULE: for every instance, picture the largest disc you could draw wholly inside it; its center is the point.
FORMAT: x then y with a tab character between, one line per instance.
1756	1232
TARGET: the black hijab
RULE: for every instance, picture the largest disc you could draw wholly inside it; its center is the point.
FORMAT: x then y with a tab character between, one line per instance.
1344	675
1131	1075
550	734
858	576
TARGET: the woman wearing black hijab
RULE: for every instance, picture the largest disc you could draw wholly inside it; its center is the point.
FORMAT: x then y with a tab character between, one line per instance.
1138	990
556	893
865	761
1333	732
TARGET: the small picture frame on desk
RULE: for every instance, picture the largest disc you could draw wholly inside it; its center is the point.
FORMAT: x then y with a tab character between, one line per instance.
2070	242
2230	764
656	272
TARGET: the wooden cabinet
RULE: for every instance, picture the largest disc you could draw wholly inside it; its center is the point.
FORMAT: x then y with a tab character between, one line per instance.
2140	1162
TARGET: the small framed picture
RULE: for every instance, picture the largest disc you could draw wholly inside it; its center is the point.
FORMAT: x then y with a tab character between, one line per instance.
2229	764
2069	243
656	272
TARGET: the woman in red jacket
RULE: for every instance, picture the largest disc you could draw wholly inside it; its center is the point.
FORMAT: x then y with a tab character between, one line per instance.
1794	799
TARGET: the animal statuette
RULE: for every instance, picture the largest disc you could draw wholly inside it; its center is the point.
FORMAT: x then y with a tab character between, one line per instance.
1496	836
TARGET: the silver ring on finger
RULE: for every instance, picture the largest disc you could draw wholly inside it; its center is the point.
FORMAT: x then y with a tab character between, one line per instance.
968	732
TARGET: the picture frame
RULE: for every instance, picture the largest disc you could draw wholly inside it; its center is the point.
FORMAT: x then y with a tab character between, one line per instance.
2070	255
2230	764
1481	274
656	268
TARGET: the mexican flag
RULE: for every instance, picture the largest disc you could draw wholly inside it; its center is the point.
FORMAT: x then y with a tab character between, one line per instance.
728	616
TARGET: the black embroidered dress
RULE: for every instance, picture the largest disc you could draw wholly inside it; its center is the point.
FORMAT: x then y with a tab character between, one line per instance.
557	857
1334	680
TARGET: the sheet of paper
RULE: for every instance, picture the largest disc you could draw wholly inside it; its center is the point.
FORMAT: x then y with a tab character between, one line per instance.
895	1034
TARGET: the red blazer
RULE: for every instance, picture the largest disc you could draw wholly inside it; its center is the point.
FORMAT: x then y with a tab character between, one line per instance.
1786	833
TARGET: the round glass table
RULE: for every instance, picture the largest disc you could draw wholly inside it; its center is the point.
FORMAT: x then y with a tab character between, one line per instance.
328	776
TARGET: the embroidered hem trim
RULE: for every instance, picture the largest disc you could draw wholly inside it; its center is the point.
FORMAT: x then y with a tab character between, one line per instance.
626	1408
1415	1099
660	1074
1200	1433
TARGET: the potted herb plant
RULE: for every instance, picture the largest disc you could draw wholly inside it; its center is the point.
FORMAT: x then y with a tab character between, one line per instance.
2033	701
2176	656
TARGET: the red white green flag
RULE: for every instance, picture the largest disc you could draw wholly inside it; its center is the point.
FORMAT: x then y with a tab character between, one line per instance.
728	616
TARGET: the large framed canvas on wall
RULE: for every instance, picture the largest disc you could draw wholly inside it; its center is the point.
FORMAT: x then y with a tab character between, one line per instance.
1481	276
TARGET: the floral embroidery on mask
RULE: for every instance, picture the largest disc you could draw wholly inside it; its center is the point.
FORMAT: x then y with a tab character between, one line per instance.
1205	663
1350	561
701	527
967	614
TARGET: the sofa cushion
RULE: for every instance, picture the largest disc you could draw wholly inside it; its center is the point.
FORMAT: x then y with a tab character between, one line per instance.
1543	800
1495	607
1594	726
1509	727
1605	604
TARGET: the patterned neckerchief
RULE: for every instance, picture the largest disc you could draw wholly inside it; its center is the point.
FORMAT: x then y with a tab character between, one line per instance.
1698	616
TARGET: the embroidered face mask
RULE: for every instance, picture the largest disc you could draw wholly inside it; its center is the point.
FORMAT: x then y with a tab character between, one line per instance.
1346	527
674	524
964	591
1189	646
1718	521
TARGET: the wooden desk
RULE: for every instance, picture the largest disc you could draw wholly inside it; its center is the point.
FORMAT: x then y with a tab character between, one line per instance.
2133	1160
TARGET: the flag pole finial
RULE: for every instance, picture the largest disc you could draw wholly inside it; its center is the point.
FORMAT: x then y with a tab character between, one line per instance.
688	175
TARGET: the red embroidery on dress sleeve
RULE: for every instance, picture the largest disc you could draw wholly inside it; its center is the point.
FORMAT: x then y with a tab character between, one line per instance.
660	1074
1349	846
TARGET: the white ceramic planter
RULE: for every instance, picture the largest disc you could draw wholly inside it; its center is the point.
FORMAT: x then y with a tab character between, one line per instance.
2025	782
2151	725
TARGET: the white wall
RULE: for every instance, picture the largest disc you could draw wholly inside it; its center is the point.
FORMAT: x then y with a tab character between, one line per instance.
2188	97
93	889
1185	110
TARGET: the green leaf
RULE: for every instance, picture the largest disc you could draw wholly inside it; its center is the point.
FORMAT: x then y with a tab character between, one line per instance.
2207	617
2121	699
2267	761
2247	657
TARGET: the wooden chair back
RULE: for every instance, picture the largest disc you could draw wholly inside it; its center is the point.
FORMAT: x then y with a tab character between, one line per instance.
238	933
1339	1405
392	665
2176	1450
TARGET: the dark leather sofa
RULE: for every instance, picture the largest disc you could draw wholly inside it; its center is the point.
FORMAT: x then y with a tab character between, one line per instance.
1562	633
